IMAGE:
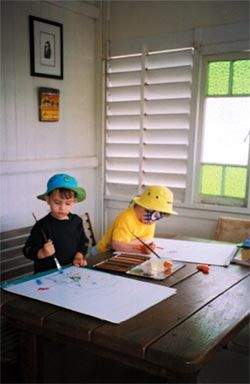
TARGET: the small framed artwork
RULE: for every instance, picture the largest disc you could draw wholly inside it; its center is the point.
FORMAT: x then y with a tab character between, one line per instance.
49	104
46	48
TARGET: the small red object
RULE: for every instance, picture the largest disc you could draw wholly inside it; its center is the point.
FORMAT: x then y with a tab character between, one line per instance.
203	268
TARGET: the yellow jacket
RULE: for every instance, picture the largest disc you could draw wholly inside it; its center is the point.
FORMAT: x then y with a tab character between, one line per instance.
123	227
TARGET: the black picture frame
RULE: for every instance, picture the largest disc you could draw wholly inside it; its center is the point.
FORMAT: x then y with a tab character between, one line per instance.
46	48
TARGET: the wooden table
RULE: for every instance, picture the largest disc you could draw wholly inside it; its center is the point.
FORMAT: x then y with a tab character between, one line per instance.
173	339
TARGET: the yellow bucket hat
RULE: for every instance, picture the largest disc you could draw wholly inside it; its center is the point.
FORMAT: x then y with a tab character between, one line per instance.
156	198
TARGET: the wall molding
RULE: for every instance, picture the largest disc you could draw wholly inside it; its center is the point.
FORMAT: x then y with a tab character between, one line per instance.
227	34
15	167
76	7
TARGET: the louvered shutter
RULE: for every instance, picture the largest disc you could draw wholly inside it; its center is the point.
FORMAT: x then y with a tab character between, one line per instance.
147	122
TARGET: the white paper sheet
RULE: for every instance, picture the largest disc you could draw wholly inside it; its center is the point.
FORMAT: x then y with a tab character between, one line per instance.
95	293
195	251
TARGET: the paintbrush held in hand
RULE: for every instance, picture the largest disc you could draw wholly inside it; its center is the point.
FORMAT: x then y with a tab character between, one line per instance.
58	265
147	246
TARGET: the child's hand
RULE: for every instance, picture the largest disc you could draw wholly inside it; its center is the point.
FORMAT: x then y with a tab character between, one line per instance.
47	250
152	245
79	260
144	249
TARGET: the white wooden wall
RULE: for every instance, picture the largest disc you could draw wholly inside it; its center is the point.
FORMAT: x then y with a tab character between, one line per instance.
32	151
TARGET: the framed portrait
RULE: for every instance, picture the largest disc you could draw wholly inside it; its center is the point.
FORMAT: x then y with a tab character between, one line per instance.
46	48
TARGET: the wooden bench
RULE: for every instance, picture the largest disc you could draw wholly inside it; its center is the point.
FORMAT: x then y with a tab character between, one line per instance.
13	263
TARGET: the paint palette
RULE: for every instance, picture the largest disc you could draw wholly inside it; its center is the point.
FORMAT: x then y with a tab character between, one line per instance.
148	269
122	262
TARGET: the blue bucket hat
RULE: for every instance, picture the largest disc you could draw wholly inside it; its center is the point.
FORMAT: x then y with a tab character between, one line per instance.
63	180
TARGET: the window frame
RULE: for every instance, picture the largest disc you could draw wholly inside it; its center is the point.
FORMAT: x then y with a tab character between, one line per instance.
192	198
208	200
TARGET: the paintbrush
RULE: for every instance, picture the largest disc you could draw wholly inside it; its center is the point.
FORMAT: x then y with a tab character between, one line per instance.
58	265
146	245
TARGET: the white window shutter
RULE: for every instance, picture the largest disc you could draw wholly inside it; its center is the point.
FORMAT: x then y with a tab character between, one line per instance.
147	122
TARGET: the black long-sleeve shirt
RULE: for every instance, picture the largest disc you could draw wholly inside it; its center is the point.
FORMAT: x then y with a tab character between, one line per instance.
68	237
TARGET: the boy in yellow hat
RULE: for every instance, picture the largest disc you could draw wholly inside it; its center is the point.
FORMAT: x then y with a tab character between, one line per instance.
138	220
60	233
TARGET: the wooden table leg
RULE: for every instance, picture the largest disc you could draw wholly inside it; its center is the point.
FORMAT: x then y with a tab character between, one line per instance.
30	358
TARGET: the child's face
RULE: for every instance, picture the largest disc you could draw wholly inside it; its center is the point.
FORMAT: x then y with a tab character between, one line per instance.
147	216
60	207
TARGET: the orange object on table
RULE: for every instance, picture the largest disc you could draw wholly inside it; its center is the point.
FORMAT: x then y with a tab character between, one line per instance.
203	268
167	264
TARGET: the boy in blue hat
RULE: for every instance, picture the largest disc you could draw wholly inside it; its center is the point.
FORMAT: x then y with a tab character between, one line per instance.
60	232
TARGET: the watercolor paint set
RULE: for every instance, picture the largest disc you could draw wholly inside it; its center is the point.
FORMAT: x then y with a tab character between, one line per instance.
121	263
140	265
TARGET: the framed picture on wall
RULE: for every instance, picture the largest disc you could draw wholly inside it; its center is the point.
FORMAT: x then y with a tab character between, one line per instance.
46	48
49	99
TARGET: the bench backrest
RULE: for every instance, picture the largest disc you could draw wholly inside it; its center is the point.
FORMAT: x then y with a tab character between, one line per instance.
13	263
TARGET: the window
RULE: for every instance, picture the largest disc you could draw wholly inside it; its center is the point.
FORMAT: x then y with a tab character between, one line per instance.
224	166
150	126
148	122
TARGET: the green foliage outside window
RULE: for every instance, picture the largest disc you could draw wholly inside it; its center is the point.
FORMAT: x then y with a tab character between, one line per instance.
224	181
218	78
211	180
235	182
241	77
228	78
